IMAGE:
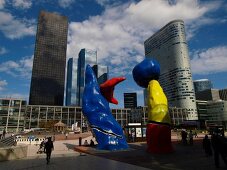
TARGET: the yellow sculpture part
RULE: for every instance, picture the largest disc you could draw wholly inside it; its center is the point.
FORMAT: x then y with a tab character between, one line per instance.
157	103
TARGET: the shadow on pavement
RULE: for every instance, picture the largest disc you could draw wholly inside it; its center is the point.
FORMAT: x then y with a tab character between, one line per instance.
69	146
184	157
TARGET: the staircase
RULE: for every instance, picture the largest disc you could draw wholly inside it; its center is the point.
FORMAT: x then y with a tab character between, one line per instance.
6	142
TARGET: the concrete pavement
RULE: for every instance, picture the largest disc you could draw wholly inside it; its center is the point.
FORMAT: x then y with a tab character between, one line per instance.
64	157
136	158
68	162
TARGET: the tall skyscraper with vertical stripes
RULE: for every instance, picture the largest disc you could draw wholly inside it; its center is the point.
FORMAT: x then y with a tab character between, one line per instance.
169	47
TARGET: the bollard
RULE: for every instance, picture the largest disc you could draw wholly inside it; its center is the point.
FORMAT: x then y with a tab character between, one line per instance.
80	141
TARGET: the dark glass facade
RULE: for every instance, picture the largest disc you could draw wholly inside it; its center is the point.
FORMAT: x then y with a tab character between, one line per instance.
48	73
130	100
207	95
202	84
70	83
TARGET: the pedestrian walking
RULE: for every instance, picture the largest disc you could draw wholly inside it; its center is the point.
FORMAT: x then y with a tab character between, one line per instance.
195	133
4	134
184	135
207	146
190	136
48	149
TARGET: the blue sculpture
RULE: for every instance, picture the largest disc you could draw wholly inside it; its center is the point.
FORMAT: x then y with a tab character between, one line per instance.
109	134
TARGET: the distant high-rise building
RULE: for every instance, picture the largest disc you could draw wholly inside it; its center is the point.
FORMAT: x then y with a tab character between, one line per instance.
212	113
202	84
101	73
85	57
208	94
130	100
71	82
48	73
76	75
223	94
169	47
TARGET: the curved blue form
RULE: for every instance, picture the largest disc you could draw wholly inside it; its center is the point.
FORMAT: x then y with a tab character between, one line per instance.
95	107
145	71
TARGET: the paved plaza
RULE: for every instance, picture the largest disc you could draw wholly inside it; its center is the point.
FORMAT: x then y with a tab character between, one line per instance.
136	158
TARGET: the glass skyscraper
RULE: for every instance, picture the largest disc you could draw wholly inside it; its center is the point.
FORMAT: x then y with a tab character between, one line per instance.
48	73
86	56
170	48
202	84
101	73
71	83
76	75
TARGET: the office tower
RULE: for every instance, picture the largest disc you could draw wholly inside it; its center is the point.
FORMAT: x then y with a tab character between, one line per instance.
169	47
202	84
223	94
130	100
48	73
101	73
207	95
71	83
85	57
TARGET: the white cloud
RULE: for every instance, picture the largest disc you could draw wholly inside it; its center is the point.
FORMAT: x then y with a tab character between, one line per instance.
212	60
3	83
65	3
15	96
2	3
22	4
8	23
119	33
21	68
3	50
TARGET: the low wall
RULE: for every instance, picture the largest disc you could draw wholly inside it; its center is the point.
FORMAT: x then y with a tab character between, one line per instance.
28	141
14	152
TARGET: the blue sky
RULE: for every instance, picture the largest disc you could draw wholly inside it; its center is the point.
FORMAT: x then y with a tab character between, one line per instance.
117	29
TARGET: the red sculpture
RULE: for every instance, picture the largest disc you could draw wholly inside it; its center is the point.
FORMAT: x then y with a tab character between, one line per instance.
107	89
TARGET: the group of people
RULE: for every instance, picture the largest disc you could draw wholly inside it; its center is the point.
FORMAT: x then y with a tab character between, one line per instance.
187	138
219	144
216	146
91	143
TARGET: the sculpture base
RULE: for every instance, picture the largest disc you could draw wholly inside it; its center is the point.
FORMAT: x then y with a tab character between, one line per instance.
158	138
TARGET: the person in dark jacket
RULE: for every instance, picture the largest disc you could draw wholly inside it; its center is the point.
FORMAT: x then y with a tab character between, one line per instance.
48	149
207	146
219	148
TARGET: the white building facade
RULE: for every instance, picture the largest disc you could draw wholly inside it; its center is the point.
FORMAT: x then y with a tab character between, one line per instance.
170	48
